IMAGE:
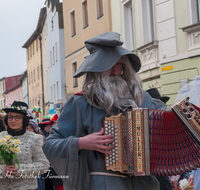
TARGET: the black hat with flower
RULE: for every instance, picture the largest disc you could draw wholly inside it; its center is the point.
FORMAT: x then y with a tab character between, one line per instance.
19	107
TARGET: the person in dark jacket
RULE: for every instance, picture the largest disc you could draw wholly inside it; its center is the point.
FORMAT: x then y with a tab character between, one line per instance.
2	128
163	180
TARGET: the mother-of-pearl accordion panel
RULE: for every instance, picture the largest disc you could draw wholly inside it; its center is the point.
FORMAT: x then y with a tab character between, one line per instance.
155	142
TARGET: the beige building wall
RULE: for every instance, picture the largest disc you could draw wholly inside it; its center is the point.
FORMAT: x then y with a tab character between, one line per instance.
34	75
75	50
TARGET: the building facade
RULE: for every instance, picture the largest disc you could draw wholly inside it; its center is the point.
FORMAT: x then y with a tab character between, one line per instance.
56	54
45	55
24	82
35	65
2	90
82	20
165	35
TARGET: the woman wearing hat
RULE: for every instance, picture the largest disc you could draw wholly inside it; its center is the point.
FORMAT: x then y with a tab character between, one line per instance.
76	146
45	126
31	158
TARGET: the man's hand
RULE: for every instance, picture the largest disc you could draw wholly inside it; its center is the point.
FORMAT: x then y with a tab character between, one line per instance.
10	170
96	141
191	179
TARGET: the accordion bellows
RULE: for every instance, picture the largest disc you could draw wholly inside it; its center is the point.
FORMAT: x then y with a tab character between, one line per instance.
155	142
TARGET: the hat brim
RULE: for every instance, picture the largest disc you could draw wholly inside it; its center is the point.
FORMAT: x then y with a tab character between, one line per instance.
164	99
13	110
105	58
42	125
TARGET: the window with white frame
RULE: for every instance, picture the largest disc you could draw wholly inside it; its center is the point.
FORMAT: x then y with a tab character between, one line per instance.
22	93
13	97
51	94
127	22
54	92
99	8
73	23
34	74
85	14
50	60
18	95
57	92
74	69
56	55
193	11
147	16
53	55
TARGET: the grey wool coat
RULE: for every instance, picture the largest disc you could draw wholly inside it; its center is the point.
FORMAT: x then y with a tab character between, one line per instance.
77	119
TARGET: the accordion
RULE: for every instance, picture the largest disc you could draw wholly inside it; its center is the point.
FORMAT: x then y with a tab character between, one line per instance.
155	142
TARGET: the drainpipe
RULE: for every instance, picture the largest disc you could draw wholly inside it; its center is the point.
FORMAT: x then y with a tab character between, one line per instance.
40	39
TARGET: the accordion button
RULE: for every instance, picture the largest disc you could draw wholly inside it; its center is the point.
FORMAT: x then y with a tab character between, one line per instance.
106	129
113	160
115	127
105	122
113	150
110	163
115	137
116	148
107	157
115	130
116	152
112	133
115	134
107	161
113	153
115	144
107	165
116	141
112	125
108	123
116	159
116	155
106	132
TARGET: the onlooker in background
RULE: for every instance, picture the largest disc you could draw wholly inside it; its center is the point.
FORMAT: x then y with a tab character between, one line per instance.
31	158
54	119
2	128
45	126
33	127
163	180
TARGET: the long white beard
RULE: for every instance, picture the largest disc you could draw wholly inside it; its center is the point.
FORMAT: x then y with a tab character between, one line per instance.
114	93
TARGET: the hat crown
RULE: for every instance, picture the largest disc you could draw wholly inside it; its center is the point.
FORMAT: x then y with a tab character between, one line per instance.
154	93
19	104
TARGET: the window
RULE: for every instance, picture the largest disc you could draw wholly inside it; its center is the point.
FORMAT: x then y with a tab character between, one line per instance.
53	56
22	93
29	78
193	11
57	92
146	7
33	49
50	60
127	21
34	75
37	44
73	23
16	98
99	5
51	94
38	72
75	80
54	92
30	50
56	52
85	13
19	96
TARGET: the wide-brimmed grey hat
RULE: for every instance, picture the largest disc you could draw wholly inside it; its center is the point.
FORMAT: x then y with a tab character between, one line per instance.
105	50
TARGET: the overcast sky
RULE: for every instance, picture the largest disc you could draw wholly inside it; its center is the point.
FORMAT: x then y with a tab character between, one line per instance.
18	20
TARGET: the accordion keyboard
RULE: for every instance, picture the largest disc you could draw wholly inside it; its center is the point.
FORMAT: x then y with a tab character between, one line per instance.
112	127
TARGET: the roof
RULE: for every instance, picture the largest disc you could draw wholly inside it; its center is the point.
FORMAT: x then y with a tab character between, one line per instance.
12	81
23	76
39	28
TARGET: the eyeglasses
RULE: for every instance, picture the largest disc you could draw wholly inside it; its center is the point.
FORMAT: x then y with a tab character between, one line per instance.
17	118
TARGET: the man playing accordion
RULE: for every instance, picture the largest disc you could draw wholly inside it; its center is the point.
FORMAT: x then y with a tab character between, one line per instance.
76	146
